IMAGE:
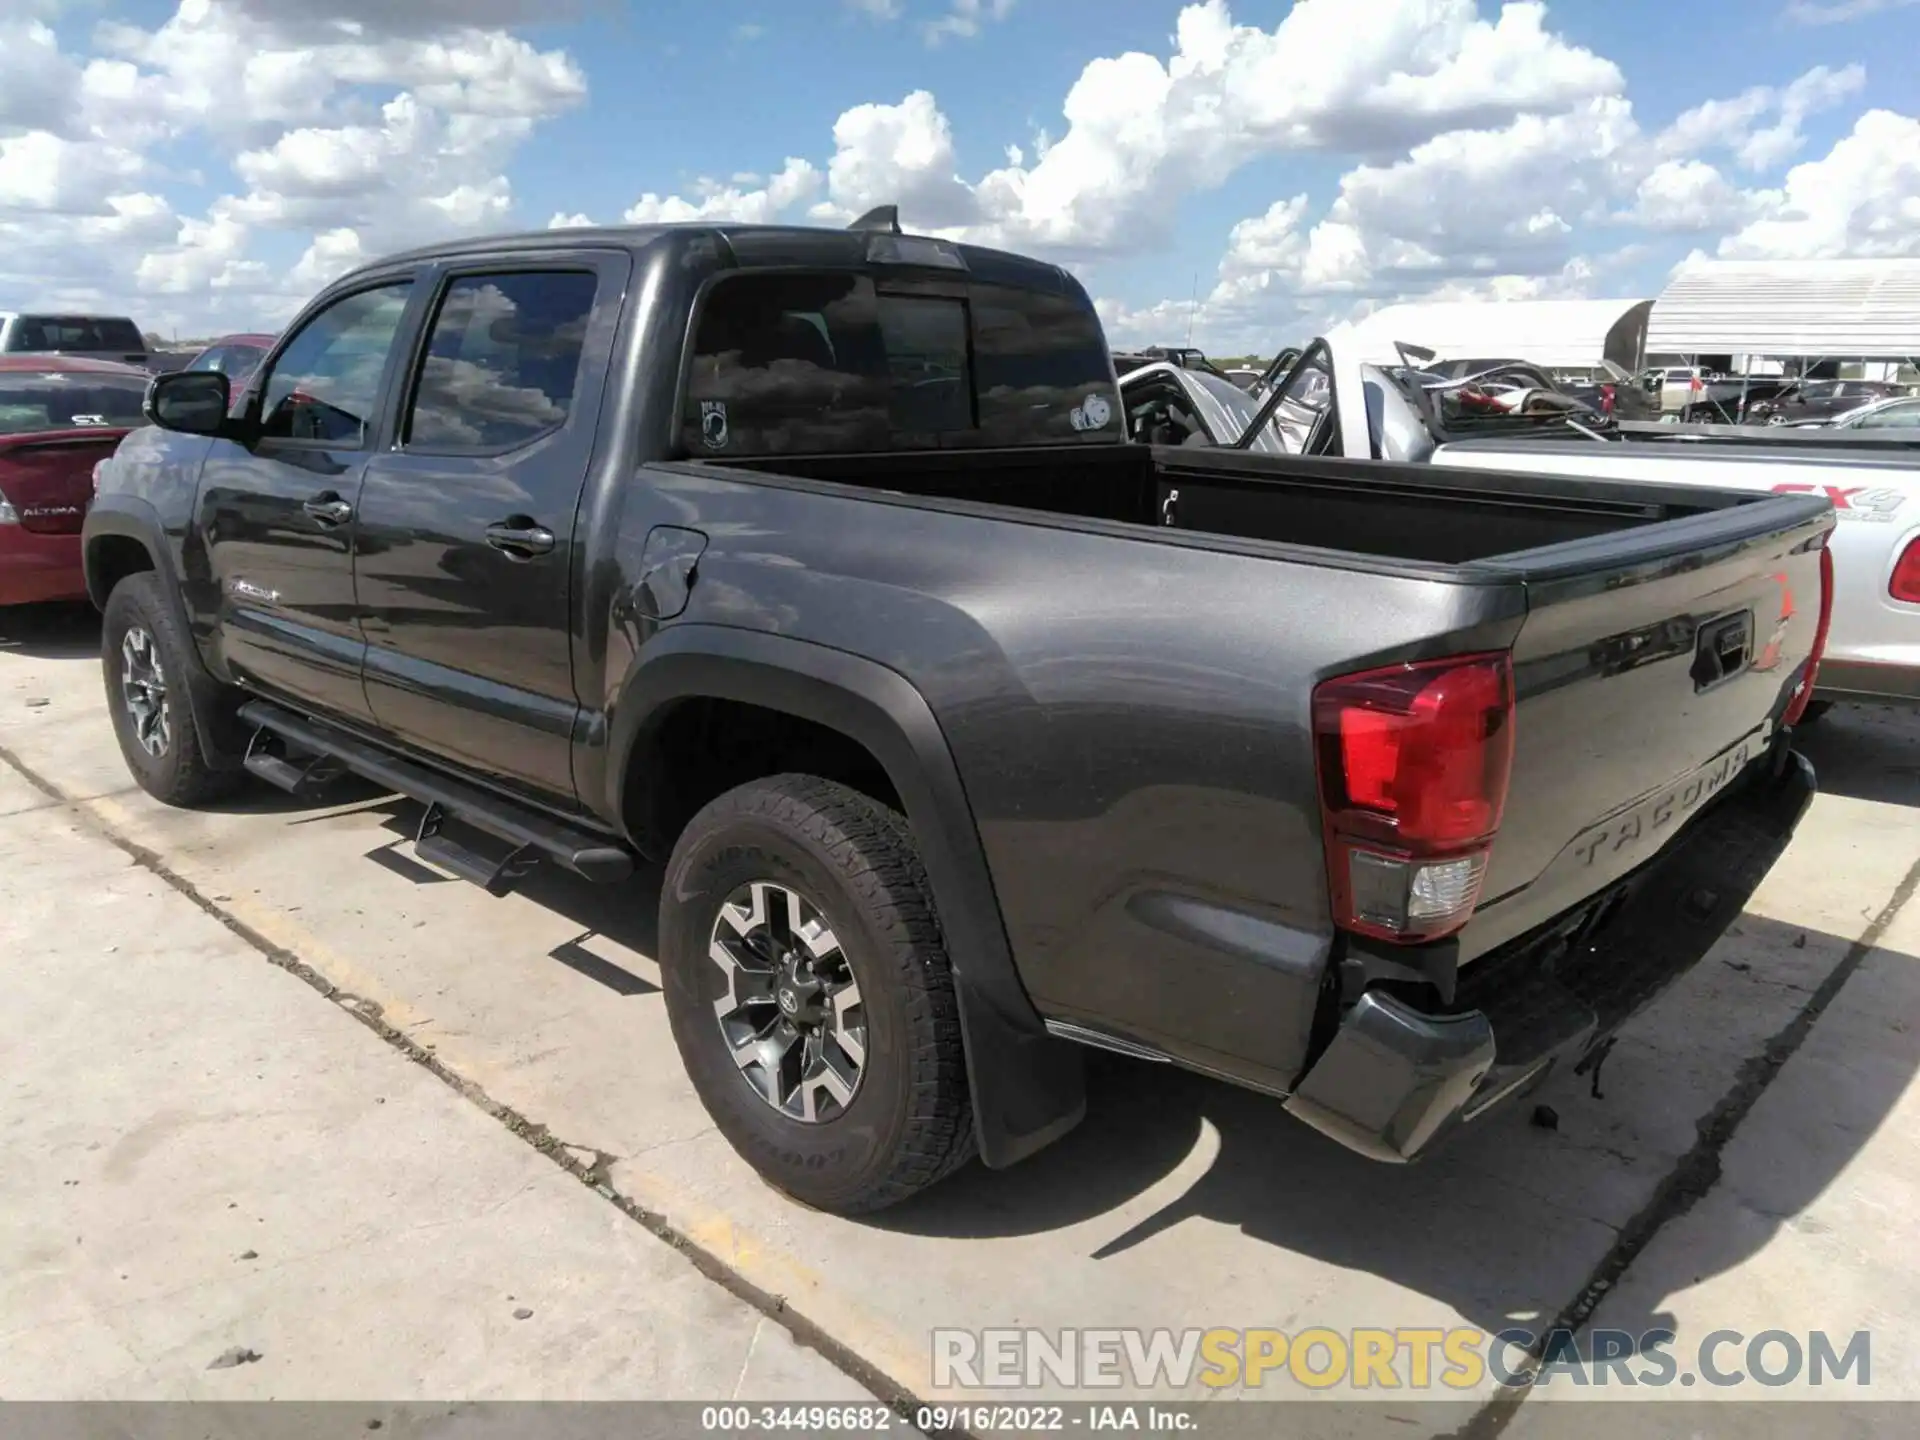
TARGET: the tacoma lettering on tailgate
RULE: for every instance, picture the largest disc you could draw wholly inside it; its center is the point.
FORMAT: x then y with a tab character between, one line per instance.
1657	813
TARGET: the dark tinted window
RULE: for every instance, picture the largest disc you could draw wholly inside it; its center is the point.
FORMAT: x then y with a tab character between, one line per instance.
326	383
1040	361
76	334
73	400
925	341
822	362
503	359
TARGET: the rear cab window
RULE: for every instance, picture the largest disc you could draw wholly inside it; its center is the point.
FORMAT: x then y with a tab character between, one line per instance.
75	335
823	362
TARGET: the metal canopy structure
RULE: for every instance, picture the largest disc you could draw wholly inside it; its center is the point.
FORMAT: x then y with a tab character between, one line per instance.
1557	334
1845	309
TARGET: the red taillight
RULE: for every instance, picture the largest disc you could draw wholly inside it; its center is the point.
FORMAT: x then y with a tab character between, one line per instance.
1413	764
1696	386
1606	399
1904	583
1802	696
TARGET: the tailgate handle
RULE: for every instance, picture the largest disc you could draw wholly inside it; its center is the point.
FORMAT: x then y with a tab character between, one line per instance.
1722	650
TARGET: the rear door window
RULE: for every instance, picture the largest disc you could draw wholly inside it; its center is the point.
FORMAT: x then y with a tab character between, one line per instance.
823	362
502	361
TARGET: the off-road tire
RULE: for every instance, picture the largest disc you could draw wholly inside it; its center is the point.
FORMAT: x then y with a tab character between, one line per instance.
910	1121
180	775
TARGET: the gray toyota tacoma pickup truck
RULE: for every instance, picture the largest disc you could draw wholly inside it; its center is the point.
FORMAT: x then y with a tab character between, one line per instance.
814	567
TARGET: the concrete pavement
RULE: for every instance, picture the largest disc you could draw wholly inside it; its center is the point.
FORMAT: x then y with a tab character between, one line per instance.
1180	1202
208	1160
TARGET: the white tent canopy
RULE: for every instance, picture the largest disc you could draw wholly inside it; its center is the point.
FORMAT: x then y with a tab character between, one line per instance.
1557	334
1839	309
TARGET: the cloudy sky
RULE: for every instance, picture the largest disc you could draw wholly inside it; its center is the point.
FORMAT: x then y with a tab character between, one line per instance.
1249	167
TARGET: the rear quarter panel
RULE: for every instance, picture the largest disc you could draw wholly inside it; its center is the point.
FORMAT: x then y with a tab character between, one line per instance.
1129	717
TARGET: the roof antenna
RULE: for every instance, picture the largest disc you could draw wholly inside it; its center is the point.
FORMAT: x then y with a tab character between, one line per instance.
882	217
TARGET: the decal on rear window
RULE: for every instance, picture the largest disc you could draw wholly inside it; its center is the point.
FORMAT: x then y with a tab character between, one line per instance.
1092	413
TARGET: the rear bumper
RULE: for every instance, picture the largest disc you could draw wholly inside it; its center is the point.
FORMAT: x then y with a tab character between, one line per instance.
1394	1078
35	567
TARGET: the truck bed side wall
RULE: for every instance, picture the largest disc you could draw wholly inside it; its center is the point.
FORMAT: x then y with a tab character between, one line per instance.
1142	784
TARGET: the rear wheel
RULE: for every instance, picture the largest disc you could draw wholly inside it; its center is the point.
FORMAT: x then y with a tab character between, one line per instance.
143	660
810	994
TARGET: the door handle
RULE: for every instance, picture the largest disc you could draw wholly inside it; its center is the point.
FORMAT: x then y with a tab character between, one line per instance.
520	542
329	509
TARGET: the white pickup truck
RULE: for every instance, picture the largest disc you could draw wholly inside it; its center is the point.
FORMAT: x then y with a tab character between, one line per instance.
1344	398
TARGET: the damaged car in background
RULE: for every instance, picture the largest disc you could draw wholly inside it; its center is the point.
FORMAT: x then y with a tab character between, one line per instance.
1345	398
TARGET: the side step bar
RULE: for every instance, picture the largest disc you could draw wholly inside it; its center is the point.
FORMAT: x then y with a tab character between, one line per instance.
532	835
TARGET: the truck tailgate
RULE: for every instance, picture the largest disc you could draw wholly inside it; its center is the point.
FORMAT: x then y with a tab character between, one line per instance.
1653	667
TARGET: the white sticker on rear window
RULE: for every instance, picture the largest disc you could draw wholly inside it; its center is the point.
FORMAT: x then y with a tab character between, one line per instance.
1092	413
713	424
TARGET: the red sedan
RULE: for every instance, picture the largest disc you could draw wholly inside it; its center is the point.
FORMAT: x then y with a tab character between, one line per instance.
60	415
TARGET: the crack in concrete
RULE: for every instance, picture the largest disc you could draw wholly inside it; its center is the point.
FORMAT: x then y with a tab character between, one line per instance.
1698	1170
806	1332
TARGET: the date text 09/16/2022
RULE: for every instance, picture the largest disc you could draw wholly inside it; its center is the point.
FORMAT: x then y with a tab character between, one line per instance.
935	1419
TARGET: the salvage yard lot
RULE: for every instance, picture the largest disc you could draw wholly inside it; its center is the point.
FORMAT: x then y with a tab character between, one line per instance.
1746	1165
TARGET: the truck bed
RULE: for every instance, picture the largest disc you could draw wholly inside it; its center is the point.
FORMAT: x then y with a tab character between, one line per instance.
1417	513
1615	592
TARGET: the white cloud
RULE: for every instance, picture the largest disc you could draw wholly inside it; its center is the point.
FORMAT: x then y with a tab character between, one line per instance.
898	155
1480	152
1818	89
965	18
1861	199
1474	202
1507	212
1687	195
331	255
354	126
39	171
1333	75
795	184
411	16
1733	124
1143	133
1834	12
36	81
205	254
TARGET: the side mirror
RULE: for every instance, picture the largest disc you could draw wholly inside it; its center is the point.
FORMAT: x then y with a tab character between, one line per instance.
194	402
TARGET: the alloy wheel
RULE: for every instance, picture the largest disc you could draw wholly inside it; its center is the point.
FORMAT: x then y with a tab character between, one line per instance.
791	1017
143	690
